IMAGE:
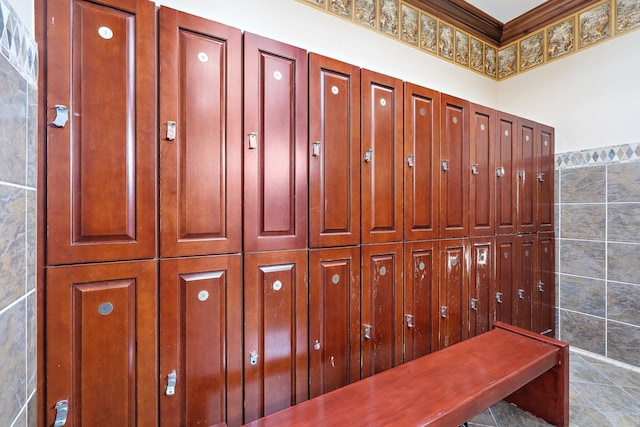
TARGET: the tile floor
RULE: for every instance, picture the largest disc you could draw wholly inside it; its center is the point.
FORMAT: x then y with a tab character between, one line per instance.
600	394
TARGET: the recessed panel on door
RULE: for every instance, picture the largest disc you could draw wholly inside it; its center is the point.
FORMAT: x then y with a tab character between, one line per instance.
274	144
334	318
101	132
544	290
382	157
527	179
453	292
545	178
201	340
506	262
200	124
481	279
483	177
506	165
334	152
525	284
422	176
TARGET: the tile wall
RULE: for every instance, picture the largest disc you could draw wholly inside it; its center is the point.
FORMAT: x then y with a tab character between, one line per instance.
18	110
598	251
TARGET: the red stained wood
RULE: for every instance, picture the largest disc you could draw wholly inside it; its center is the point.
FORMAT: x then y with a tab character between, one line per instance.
545	178
481	278
524	285
527	147
506	274
506	173
483	177
453	292
544	287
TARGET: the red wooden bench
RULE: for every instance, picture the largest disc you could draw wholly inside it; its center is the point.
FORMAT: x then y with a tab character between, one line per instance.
450	386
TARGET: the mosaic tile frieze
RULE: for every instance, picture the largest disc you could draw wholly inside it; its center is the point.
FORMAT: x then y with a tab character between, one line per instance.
409	25
17	45
561	39
341	7
491	61
598	156
594	25
531	51
627	15
507	61
428	33
476	54
445	41
389	17
366	13
462	48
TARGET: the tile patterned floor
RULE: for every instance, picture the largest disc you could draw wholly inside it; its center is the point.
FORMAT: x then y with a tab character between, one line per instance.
600	394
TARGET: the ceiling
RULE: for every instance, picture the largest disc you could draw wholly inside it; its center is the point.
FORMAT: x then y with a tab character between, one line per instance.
505	10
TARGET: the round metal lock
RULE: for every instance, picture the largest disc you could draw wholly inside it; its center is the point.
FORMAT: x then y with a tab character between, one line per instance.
203	57
105	308
455	120
421	266
481	127
383	102
335	279
506	254
277	75
203	295
546	142
422	112
526	253
506	133
277	285
383	271
546	250
526	138
335	90
454	260
105	32
317	345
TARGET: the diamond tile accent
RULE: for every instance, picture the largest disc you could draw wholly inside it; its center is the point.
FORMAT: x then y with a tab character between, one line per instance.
625	153
17	45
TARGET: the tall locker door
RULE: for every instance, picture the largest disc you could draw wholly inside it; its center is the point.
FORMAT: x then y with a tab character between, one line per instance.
334	318
453	292
101	138
382	196
334	162
527	180
483	177
420	299
201	125
454	165
201	341
275	356
481	279
506	268
524	285
422	178
274	145
545	158
101	348
506	165
544	292
381	315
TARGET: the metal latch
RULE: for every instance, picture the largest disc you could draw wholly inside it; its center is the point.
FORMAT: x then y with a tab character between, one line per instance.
172	378
540	286
367	331
316	346
171	130
368	155
474	169
445	165
62	116
410	158
316	148
409	318
474	304
62	410
521	293
541	177
443	311
499	297
253	140
253	358
500	172
521	174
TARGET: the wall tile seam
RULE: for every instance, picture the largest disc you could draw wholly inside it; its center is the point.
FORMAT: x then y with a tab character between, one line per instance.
571	239
14	185
16	302
621	323
585	314
618	282
606	360
25	409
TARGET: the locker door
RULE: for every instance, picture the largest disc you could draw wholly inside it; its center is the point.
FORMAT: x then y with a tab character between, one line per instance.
544	292
454	165
420	299
382	197
524	284
200	340
275	332
422	179
545	158
334	162
480	282
101	347
101	180
274	145
200	122
382	316
334	318
506	164
527	180
453	292
506	262
483	177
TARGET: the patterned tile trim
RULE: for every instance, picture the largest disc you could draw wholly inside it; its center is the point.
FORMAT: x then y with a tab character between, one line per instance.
17	45
626	153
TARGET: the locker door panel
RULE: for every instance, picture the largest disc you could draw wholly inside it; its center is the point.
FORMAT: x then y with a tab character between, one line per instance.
381	307
275	332
483	177
544	291
420	299
101	182
334	162
382	199
274	145
101	349
453	292
506	261
480	282
524	284
200	340
200	166
454	165
527	180
545	178
506	165
421	144
334	316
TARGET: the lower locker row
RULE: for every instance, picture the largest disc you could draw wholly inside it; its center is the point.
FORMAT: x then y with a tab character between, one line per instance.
234	337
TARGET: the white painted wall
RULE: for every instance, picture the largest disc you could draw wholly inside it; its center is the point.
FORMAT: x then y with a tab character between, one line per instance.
25	11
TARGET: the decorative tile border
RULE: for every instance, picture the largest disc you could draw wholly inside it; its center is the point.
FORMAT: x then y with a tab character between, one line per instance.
417	28
626	153
17	45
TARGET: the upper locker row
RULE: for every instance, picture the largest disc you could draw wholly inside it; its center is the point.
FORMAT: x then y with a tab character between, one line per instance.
255	149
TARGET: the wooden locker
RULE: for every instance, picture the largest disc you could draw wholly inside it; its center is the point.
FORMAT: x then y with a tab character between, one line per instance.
334	318
524	284
506	165
274	145
382	195
275	356
453	292
101	163
101	347
481	280
422	178
454	165
420	299
381	315
546	177
544	292
201	124
334	153
506	270
527	179
201	340
483	178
